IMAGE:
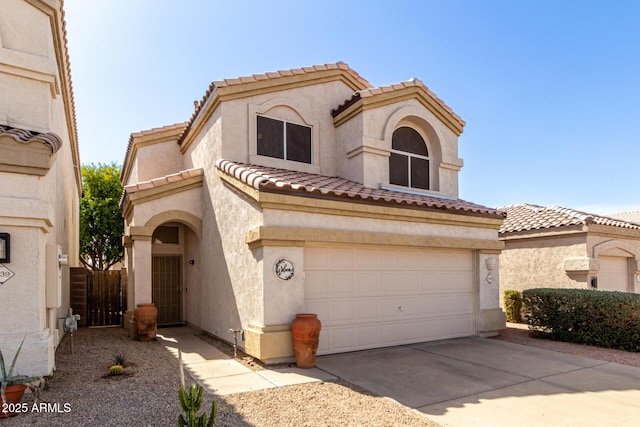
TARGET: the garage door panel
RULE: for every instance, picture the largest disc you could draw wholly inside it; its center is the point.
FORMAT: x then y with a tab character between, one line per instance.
316	259
321	308
316	284
388	309
409	260
366	283
341	258
613	274
384	297
341	283
365	259
343	312
367	310
409	282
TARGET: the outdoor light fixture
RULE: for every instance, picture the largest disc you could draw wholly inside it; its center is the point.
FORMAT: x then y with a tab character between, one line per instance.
491	264
5	248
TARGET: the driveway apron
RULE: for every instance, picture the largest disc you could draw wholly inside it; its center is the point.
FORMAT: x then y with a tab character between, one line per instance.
483	382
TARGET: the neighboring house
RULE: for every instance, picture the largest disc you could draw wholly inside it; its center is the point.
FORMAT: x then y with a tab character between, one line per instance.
563	248
41	181
633	216
308	190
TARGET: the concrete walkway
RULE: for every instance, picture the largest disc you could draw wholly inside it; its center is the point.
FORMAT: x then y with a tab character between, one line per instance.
223	375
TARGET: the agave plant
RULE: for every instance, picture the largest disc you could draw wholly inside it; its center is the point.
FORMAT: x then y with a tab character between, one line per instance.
7	379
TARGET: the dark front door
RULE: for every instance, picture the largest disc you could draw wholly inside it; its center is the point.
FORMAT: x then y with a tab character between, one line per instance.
167	288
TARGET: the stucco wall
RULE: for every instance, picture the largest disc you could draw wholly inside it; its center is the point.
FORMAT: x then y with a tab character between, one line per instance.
157	160
539	263
374	128
310	105
229	284
37	211
336	222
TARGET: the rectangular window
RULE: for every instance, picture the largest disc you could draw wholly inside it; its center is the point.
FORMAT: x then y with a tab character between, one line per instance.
399	169
419	173
283	140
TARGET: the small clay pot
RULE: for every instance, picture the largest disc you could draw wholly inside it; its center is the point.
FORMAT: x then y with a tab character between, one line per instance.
14	394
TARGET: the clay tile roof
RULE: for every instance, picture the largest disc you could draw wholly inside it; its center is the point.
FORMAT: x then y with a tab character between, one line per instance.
627	216
159	182
394	87
266	76
276	180
525	217
26	136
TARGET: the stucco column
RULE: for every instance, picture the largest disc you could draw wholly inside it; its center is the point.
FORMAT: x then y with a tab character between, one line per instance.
140	273
489	316
269	338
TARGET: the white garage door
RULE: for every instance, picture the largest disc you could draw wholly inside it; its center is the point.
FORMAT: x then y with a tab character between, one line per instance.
613	274
368	298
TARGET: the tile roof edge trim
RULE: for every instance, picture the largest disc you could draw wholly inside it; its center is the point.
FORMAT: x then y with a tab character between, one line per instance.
256	180
26	136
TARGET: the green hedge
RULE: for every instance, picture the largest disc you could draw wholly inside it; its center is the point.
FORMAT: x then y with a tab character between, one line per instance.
513	306
602	318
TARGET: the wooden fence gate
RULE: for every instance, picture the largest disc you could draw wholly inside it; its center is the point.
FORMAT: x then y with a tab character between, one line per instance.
99	297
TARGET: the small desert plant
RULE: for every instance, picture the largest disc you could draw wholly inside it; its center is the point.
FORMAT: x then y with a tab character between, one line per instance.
191	403
513	306
116	370
119	359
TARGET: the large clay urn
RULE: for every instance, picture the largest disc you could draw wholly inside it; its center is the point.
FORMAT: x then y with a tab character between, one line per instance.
14	395
146	316
305	330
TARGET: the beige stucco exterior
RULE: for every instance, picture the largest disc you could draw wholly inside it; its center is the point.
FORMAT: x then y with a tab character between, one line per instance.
234	233
569	257
41	183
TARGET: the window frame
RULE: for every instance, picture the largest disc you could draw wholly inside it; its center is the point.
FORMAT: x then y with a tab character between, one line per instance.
285	142
409	156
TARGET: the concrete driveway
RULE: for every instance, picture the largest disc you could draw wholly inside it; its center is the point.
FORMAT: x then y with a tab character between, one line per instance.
483	382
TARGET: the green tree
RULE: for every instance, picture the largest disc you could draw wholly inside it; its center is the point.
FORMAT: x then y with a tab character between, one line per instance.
101	222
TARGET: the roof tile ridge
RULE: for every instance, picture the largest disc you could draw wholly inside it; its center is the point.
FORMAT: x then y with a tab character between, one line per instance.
584	217
241	172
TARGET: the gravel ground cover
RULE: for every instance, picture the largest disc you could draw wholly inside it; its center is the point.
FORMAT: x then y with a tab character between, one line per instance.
147	393
80	393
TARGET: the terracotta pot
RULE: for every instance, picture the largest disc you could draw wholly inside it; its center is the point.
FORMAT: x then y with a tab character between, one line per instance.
146	316
305	330
14	395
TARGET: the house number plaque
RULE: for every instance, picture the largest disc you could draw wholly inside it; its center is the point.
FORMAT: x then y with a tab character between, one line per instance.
283	269
5	274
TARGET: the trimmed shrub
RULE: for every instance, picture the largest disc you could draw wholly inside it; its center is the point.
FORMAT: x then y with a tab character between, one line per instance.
513	306
601	318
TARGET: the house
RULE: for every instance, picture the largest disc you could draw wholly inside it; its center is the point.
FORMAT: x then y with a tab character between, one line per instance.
41	181
555	247
309	190
633	216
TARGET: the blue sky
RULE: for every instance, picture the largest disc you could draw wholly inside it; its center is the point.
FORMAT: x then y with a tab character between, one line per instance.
550	90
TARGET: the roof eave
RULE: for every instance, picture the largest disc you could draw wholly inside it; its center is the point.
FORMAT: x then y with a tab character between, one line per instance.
228	90
356	105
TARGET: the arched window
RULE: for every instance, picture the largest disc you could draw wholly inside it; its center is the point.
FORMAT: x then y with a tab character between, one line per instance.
409	160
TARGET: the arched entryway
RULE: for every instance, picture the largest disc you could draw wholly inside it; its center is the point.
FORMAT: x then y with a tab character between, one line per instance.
167	281
162	256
